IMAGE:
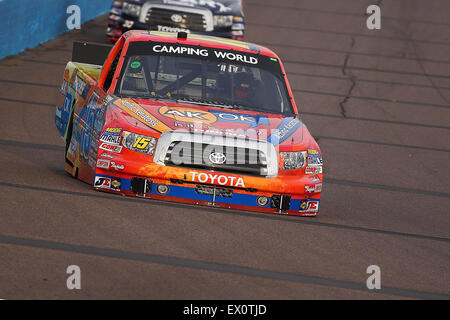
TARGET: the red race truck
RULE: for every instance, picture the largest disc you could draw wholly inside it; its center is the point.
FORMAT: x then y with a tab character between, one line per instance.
188	118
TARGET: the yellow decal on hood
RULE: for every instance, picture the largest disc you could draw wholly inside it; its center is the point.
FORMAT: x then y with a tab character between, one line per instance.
136	111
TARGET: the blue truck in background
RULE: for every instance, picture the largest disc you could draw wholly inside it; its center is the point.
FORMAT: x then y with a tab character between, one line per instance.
222	18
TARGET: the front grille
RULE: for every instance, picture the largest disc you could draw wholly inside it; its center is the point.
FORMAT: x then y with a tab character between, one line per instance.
176	19
238	160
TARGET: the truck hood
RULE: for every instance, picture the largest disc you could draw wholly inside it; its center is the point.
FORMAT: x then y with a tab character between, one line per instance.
161	116
217	7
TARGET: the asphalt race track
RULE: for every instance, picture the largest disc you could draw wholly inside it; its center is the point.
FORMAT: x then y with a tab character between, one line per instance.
378	101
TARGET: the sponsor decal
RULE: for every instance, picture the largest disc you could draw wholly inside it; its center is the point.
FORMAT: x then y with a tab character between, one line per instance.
81	87
128	24
172	29
188	115
88	114
73	147
159	48
313	206
135	65
236	57
253	121
176	18
107	155
313	188
315	179
309	206
314	159
63	89
115	11
221	132
112	139
113	131
136	111
104	164
141	143
110	147
217	179
303	205
107	100
102	182
287	127
79	84
117	166
63	113
192	51
313	170
115	184
217	158
318	187
99	119
67	105
114	17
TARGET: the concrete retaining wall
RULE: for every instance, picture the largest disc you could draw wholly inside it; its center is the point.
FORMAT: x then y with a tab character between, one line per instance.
27	23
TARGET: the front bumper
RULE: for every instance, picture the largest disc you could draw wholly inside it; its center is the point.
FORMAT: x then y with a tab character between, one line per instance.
282	195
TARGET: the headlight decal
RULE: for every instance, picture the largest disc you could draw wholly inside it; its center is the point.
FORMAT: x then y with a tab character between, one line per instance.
139	143
238	24
292	160
132	9
223	21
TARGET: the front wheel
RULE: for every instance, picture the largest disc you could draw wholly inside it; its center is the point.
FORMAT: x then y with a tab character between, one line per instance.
70	167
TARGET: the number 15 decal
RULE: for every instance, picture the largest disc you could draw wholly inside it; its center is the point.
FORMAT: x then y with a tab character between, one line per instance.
141	143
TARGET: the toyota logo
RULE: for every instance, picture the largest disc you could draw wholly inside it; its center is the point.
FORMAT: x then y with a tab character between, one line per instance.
176	18
217	158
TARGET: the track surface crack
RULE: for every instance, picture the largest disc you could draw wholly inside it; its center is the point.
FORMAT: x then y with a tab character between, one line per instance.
351	77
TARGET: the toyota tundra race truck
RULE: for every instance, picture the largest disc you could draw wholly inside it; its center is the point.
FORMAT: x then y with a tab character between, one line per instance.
222	18
188	118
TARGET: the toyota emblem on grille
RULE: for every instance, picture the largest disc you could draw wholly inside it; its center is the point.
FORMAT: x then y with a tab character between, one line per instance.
217	158
176	18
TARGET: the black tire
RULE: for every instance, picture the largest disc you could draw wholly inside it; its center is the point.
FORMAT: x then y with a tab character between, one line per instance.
69	135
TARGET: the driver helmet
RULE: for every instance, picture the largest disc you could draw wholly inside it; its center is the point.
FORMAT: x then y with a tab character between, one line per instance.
243	85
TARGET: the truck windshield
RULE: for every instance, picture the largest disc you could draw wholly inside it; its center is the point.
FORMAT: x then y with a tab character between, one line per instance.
219	83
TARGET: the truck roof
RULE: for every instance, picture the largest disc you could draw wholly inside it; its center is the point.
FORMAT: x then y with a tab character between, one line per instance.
198	40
